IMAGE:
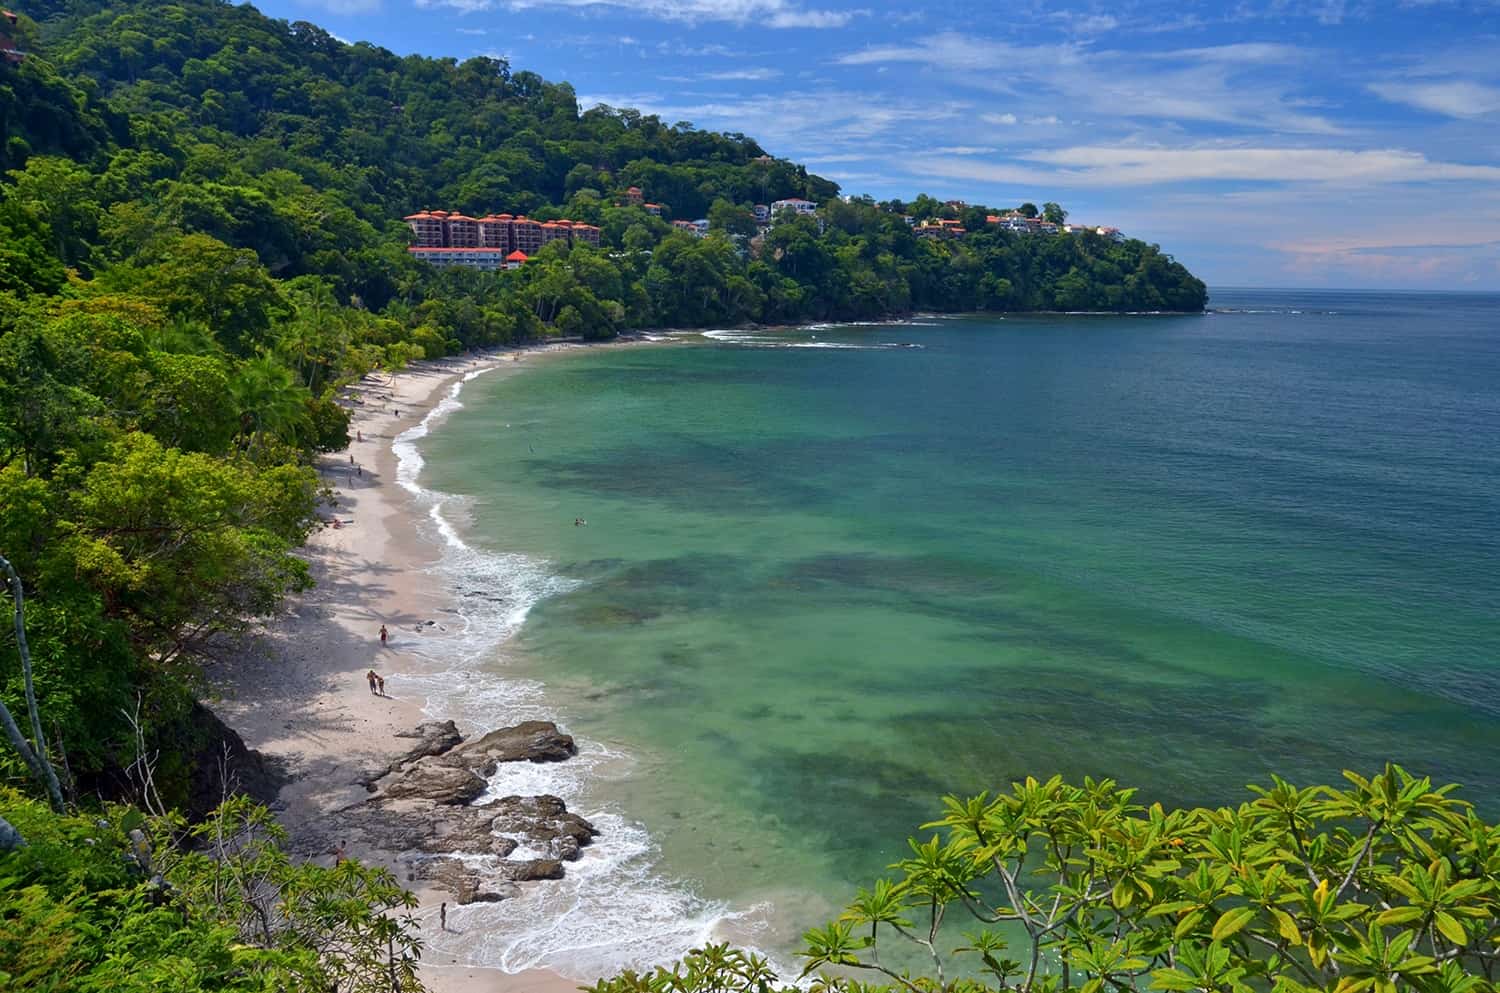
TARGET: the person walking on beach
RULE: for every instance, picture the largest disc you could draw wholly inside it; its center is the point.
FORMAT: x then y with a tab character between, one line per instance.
370	678
383	635
380	683
443	916
338	853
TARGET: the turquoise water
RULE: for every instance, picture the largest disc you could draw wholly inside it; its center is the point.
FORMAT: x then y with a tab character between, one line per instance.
827	579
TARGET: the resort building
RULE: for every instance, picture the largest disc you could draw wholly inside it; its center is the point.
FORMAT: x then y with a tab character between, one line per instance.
938	228
762	213
443	238
463	231
8	50
654	209
494	230
687	227
634	197
525	234
586	233
796	204
701	226
515	260
484	259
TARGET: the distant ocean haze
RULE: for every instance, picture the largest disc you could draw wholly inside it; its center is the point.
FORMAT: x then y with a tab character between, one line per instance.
829	575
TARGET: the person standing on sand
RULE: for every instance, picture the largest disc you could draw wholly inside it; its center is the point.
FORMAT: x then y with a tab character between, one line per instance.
443	916
383	635
338	853
380	683
370	678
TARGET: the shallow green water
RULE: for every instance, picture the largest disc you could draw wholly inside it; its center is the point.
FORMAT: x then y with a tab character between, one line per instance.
821	587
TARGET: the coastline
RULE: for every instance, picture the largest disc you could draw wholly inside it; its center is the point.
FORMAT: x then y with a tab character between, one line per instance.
297	692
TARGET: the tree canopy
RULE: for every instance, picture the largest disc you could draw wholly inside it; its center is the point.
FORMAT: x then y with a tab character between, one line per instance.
1388	883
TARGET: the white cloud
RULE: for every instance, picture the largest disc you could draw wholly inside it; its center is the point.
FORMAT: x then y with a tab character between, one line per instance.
751	74
829	119
1005	119
1116	166
1453	98
1243	53
1189	85
472	31
1086	24
765	13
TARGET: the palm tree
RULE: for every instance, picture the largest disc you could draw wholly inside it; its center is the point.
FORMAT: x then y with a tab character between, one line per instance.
270	399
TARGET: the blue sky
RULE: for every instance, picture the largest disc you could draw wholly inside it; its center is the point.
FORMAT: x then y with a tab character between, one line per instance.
1265	142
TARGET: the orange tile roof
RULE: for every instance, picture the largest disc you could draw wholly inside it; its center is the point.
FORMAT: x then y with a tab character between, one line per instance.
517	256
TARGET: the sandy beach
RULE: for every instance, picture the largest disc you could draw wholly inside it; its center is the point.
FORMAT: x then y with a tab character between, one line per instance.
299	694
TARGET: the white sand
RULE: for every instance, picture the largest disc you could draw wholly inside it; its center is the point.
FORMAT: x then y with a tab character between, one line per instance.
300	694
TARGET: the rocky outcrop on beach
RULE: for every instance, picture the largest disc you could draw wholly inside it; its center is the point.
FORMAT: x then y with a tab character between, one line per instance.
532	741
423	806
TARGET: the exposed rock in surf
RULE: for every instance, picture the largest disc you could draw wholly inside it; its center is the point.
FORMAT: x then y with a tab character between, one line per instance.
531	869
532	741
422	809
545	824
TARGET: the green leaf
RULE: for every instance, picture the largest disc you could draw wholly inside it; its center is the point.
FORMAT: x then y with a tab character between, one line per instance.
1187	924
1172	979
1399	915
1287	926
1231	921
1450	928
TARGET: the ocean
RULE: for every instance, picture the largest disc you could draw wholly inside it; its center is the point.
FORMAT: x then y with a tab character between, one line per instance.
831	574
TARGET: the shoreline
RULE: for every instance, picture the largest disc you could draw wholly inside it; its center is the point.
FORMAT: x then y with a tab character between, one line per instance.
296	690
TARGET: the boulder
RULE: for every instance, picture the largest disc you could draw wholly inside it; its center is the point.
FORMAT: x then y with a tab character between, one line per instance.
532	741
453	876
544	823
470	834
531	869
428	779
433	738
494	894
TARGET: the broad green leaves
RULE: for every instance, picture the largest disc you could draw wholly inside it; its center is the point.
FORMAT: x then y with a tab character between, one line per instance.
1390	884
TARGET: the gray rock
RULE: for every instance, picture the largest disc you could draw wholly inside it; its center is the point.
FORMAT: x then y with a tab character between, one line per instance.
428	779
544	822
453	876
532	741
433	738
494	894
531	869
